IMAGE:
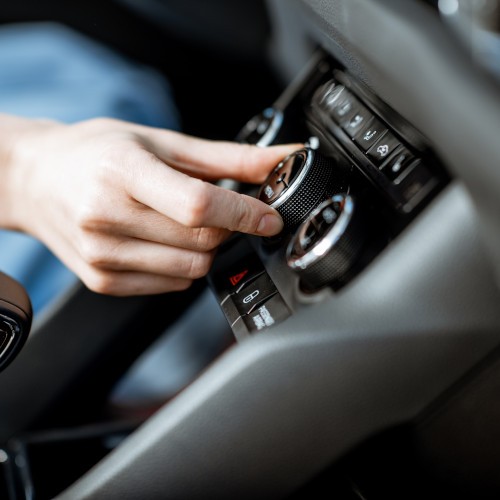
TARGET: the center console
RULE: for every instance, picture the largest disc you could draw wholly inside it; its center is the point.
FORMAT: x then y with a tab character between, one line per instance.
363	175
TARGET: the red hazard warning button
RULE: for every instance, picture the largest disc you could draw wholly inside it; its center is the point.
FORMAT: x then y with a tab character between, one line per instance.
236	278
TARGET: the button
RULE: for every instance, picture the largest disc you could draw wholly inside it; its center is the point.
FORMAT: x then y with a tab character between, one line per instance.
383	148
397	163
281	178
254	293
414	180
370	134
267	314
233	276
340	103
359	120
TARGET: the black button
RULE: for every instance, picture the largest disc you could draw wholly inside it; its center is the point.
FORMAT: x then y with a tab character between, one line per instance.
397	163
267	314
254	293
383	148
361	117
341	104
414	179
370	134
232	276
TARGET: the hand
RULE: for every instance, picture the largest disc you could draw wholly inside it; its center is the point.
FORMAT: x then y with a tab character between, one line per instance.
127	207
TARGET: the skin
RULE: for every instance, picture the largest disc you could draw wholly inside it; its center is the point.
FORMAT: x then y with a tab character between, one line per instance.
130	209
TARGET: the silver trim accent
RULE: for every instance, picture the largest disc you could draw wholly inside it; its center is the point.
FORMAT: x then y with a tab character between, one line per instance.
12	336
273	129
298	180
329	239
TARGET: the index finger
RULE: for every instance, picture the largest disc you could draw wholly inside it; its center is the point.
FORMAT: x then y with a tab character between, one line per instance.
196	203
215	159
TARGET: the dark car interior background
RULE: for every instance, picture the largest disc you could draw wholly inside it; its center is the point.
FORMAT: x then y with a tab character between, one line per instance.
354	356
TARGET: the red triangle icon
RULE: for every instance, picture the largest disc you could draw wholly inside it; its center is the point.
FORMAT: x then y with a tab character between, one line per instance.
234	280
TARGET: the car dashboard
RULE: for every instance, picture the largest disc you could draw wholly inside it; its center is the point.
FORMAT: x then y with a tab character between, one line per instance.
364	360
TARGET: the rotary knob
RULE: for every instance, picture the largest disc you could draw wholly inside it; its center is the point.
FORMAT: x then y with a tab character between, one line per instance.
328	243
263	128
299	183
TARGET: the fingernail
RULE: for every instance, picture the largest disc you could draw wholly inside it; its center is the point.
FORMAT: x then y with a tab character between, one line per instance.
270	225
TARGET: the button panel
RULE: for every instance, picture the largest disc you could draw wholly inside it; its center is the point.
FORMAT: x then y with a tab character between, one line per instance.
247	295
377	147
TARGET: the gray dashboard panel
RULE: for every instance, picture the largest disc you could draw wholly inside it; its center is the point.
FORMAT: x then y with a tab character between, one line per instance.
282	405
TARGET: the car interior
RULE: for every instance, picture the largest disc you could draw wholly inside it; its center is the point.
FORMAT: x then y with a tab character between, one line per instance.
354	356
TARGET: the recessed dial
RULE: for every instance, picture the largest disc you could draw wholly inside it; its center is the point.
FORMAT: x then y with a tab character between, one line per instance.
263	128
327	244
299	183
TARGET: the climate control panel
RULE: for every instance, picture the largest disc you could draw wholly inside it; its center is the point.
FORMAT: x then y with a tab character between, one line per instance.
363	175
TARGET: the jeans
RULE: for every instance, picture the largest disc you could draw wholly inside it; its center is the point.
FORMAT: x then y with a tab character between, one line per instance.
50	71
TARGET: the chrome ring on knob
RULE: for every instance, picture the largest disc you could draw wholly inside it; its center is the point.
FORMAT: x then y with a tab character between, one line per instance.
327	244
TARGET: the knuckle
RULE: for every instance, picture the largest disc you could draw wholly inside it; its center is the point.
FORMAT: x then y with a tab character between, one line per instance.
95	252
208	238
199	265
245	220
196	205
100	282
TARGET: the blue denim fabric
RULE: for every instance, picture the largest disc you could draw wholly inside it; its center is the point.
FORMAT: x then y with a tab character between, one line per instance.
50	71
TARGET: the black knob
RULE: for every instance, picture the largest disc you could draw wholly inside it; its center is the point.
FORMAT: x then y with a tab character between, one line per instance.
327	244
299	183
263	128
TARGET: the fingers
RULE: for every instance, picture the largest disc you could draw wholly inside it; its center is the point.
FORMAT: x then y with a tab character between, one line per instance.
118	254
215	159
127	283
195	203
149	225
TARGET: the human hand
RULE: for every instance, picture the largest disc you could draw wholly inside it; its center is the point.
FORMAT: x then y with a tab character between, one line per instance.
128	208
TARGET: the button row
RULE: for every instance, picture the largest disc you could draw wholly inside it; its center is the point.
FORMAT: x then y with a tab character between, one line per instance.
248	293
368	133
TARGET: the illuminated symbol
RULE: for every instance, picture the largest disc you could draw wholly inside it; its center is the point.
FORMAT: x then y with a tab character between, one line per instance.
399	163
356	121
382	150
268	191
266	316
263	318
344	109
250	297
259	322
369	134
234	280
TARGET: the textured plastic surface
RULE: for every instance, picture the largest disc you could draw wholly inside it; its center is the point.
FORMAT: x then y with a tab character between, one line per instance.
308	390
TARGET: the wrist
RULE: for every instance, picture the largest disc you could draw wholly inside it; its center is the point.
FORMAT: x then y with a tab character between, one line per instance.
17	159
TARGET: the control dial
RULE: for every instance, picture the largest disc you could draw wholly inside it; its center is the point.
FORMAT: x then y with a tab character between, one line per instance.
299	183
327	244
263	128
